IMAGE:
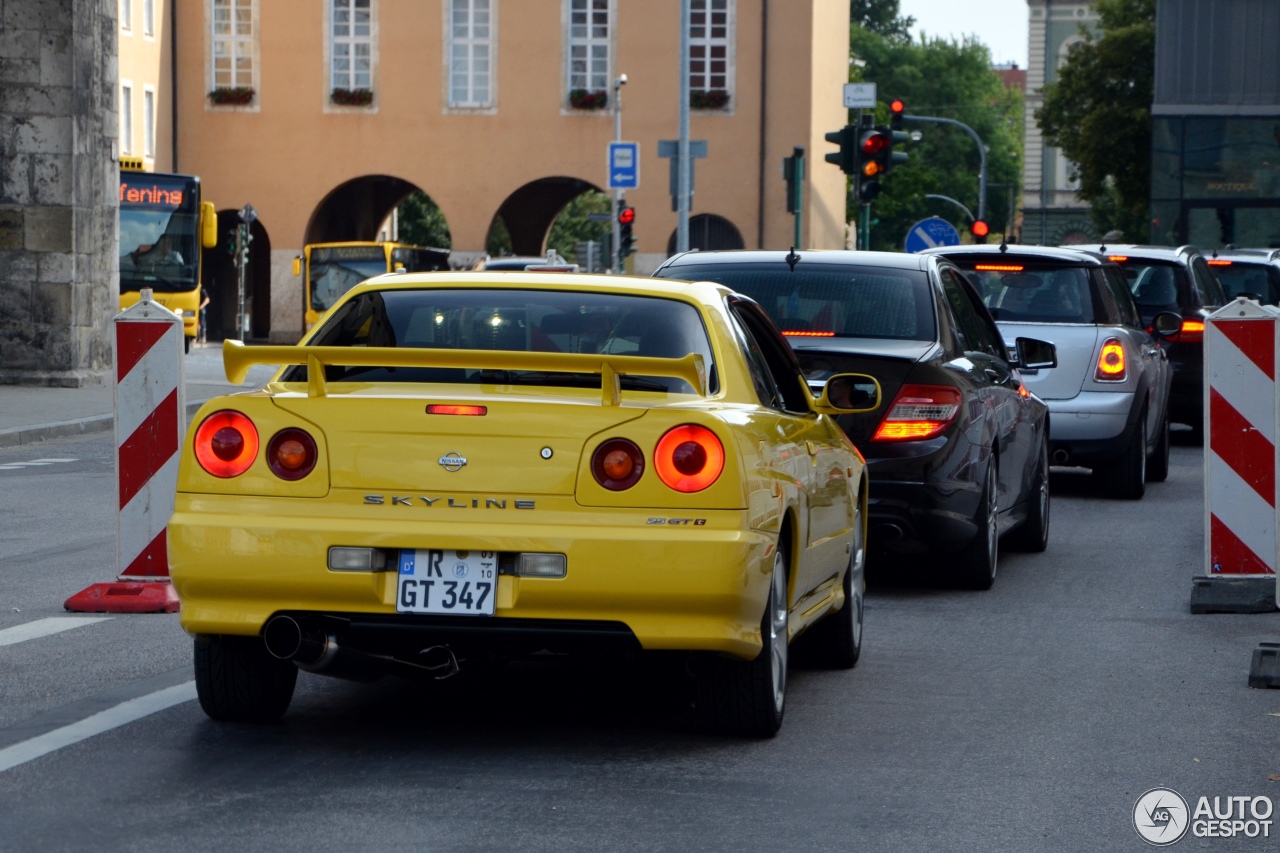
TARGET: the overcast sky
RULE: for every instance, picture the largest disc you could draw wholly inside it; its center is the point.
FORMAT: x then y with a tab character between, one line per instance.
1000	24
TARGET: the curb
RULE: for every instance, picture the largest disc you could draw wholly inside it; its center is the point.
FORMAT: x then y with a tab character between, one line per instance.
36	433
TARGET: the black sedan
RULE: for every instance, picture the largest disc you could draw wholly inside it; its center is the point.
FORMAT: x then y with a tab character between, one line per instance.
960	456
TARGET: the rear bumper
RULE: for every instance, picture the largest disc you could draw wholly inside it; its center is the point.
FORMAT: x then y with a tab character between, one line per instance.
923	495
237	560
1092	428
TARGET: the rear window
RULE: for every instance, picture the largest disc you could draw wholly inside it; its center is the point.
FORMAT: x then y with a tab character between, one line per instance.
1019	292
514	321
829	301
1156	285
1242	278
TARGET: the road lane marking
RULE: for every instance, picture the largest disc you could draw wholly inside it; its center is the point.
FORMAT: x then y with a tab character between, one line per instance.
45	627
15	466
104	721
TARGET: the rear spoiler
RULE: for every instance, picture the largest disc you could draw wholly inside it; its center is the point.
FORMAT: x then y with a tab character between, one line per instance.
238	358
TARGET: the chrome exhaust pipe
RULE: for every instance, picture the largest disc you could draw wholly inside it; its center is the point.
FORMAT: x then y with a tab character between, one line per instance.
1061	457
285	640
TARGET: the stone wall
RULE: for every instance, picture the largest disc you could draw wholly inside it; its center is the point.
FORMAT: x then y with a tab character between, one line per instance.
58	190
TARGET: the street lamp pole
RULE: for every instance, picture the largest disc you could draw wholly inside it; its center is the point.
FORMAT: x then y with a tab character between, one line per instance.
682	150
982	155
615	253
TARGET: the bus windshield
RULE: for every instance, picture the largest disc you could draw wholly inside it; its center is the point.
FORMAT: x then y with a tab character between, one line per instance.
159	221
335	270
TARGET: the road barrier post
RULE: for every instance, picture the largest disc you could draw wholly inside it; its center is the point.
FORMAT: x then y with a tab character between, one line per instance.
1242	422
148	426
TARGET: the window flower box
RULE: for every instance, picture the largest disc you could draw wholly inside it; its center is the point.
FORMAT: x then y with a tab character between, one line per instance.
708	99
583	99
351	97
232	95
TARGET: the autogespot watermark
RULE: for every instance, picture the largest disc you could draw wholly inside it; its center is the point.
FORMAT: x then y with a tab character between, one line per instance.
1162	817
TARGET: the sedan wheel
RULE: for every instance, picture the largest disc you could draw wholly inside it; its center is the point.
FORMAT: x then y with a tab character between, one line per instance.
836	641
1127	478
238	680
978	559
1033	535
1158	464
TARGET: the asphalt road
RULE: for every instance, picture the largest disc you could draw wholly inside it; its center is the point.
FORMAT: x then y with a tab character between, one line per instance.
1030	717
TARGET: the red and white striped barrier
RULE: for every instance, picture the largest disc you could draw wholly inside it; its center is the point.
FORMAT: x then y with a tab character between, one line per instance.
148	420
1242	413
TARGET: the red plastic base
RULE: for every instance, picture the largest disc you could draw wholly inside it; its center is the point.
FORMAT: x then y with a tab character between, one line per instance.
125	597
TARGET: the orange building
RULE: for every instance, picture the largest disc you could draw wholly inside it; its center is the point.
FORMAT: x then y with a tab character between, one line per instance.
325	115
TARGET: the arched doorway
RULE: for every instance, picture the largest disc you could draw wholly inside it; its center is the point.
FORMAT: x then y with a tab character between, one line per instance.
528	212
708	232
356	209
221	283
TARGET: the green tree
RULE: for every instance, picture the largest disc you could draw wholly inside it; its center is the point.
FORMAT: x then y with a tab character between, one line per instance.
936	77
422	223
573	226
881	17
1098	112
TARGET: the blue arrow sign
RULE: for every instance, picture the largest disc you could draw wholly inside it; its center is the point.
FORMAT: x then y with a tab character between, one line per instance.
931	232
624	165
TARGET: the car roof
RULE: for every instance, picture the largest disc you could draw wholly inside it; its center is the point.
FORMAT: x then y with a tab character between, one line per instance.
1056	253
1259	256
704	291
1134	250
825	257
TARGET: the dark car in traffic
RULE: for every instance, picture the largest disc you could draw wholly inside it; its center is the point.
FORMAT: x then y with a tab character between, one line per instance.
1253	273
958	456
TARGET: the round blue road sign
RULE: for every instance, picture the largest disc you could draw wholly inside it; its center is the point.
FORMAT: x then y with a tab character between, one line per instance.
931	232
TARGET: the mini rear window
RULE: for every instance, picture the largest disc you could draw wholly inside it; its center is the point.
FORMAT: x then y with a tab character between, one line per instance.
824	300
1036	292
514	321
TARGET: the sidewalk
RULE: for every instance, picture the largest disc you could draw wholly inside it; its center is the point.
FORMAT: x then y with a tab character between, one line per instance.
33	414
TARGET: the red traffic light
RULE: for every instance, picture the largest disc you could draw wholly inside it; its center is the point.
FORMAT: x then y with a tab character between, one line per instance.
897	107
874	143
979	228
627	215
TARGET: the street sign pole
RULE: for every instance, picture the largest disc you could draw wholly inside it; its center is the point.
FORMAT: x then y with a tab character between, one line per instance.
615	258
684	166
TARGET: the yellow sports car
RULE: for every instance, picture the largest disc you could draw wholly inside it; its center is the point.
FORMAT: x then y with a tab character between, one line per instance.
456	467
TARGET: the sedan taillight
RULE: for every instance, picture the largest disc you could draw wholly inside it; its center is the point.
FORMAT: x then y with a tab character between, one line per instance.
226	444
617	464
689	458
1111	362
1192	332
919	412
291	454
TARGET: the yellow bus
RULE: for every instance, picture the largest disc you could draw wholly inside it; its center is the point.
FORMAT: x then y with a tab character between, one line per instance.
334	268
163	226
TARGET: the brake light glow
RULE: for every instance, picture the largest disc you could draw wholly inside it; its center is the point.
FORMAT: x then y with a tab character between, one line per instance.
1192	331
1119	259
617	464
689	458
999	267
1111	362
1219	263
919	412
226	443
445	409
291	454
805	333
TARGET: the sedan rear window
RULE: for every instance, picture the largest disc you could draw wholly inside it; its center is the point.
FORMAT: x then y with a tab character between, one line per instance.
829	301
513	321
1245	279
1156	286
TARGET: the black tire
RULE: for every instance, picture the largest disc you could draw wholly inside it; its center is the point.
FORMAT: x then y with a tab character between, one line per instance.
186	344
1126	479
978	560
748	698
836	641
1033	535
1158	463
237	679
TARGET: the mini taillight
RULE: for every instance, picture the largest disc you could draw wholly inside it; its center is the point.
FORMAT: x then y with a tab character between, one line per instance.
919	412
1111	363
226	444
617	464
445	409
1192	331
998	267
291	454
689	458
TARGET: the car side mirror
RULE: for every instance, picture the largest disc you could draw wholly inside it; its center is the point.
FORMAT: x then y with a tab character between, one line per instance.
848	394
1036	355
297	267
1166	324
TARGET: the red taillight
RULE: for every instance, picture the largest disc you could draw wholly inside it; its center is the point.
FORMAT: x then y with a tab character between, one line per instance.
617	464
1192	331
805	333
1119	259
226	444
1219	263
999	267
291	454
919	412
689	458
445	409
1111	362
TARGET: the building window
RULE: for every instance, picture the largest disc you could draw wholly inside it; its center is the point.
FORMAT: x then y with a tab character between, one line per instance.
232	44
149	121
148	17
710	79
126	14
590	34
470	53
352	50
126	118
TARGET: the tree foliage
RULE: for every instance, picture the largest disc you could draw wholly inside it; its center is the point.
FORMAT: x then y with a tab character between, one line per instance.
1098	112
573	227
422	223
881	17
936	77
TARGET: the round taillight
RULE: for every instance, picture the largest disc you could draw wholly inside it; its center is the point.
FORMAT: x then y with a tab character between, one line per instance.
689	458
226	444
291	454
617	464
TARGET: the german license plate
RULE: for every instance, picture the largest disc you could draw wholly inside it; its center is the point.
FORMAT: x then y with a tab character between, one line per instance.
454	583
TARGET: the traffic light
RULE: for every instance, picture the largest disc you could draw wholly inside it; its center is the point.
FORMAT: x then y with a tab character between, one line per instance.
873	161
793	173
979	229
896	109
897	136
847	157
626	240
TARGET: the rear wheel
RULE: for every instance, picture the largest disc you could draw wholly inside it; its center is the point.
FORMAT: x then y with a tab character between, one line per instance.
978	559
1033	535
186	343
237	679
836	641
1127	478
1158	464
748	697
